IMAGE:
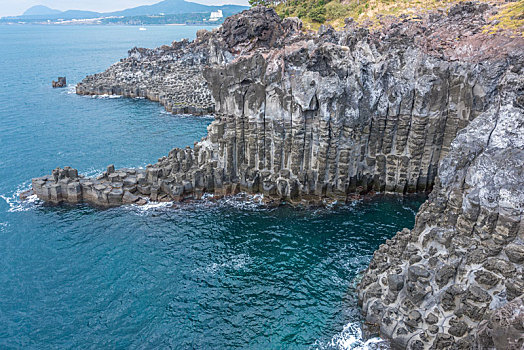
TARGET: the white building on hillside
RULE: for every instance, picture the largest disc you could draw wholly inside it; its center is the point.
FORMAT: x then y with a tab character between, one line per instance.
215	16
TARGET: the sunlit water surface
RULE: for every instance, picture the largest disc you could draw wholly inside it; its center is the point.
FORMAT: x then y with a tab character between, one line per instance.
212	275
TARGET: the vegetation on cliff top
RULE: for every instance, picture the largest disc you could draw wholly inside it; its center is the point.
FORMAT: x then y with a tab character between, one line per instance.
510	18
333	12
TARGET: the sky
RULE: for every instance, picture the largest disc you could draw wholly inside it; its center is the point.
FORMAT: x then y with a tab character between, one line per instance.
17	7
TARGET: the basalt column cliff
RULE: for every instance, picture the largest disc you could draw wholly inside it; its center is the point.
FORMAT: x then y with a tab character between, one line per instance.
418	104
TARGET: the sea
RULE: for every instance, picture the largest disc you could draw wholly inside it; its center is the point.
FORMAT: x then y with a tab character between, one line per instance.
228	274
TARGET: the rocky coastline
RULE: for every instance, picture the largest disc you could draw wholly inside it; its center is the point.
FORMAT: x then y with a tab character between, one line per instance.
431	103
170	75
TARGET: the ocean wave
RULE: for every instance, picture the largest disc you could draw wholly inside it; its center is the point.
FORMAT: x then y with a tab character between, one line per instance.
92	172
188	116
154	206
351	338
243	201
70	89
411	210
16	204
148	208
106	96
233	263
240	201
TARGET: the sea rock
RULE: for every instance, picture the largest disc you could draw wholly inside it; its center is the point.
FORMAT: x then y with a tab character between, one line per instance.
62	82
427	104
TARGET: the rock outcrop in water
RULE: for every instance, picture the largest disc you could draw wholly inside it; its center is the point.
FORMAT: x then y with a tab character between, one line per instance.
419	103
62	82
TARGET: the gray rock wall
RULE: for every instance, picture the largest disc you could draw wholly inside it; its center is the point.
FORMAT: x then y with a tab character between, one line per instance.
304	117
319	119
431	287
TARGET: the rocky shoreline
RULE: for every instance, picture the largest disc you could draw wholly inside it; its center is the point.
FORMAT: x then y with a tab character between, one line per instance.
431	103
170	75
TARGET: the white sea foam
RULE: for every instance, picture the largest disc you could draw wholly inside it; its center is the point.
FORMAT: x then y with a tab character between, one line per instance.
155	205
14	201
207	196
106	96
351	338
3	226
330	205
414	212
143	210
244	201
92	172
71	89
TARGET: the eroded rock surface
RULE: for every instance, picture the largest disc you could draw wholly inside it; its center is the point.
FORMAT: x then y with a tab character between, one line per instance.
433	285
172	74
308	116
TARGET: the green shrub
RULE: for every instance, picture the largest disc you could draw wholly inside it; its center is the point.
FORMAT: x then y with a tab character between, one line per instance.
335	10
318	14
301	12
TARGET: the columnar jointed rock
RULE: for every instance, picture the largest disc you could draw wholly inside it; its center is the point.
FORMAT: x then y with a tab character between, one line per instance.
302	116
172	75
112	188
168	75
464	260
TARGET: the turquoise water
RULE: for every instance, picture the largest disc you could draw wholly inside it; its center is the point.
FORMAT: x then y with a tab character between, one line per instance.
226	275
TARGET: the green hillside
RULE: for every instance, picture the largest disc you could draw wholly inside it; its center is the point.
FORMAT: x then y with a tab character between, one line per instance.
316	12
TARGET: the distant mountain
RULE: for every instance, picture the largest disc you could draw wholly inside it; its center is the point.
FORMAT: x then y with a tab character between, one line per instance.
173	7
166	7
164	12
79	14
40	10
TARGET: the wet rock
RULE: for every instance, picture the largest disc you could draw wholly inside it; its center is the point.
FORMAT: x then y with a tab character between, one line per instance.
129	198
60	83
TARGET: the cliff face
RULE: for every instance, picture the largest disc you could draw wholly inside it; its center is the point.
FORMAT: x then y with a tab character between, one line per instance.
172	74
339	115
416	104
464	258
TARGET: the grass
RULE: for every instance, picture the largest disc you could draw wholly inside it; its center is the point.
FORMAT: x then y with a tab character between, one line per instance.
313	13
510	19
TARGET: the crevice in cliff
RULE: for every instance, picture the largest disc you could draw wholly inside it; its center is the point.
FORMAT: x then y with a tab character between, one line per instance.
496	123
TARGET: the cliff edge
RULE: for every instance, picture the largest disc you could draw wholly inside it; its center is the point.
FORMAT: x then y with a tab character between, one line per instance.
432	103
